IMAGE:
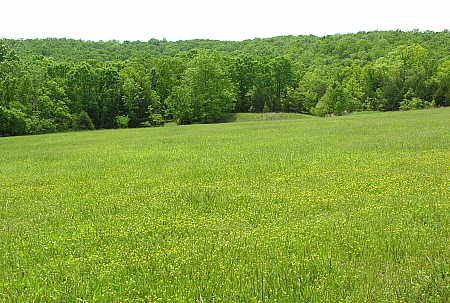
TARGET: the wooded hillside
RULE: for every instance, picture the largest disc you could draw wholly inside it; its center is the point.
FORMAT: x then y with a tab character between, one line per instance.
54	85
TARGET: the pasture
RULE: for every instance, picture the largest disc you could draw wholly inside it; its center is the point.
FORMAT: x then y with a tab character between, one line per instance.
344	209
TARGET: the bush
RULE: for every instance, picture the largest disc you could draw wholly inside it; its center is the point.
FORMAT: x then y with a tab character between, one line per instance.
321	108
35	125
12	122
62	118
156	120
122	121
83	122
415	103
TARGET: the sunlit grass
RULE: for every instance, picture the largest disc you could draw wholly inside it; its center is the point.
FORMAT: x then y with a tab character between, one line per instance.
250	117
344	209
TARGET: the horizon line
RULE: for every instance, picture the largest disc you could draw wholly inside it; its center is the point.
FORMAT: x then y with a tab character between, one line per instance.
226	40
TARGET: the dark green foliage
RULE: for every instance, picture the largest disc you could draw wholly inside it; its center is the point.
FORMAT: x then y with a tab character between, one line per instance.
243	74
439	84
310	50
155	119
37	125
48	82
12	122
6	54
294	101
83	122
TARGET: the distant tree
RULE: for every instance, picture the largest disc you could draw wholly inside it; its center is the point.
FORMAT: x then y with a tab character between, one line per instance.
243	73
181	105
206	91
140	99
334	101
283	78
313	85
439	84
45	84
293	101
168	74
263	91
109	95
82	90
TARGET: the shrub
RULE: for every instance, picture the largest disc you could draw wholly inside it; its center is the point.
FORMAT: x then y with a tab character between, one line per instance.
12	122
156	120
122	121
35	125
83	122
415	103
321	108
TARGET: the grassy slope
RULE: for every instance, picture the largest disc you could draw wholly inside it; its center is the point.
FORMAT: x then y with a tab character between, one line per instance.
351	209
250	117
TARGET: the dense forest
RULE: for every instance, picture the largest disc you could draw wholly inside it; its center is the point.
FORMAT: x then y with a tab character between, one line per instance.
51	85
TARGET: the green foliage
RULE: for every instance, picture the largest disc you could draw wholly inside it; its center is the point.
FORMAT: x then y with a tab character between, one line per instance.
50	81
310	50
322	107
243	73
6	54
313	86
206	91
439	84
37	125
335	101
180	105
12	122
283	78
415	103
156	119
83	122
168	73
122	121
294	101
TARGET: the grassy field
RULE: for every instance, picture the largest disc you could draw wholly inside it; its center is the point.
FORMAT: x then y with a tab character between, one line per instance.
344	209
249	117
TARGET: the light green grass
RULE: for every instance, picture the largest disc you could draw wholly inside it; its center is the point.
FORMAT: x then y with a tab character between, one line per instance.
250	117
345	209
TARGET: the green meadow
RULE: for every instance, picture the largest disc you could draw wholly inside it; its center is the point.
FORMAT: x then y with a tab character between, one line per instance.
265	209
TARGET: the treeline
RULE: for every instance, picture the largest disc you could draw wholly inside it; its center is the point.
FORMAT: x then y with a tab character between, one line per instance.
310	50
55	85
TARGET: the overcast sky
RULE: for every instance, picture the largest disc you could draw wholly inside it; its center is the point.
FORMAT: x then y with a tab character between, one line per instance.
225	20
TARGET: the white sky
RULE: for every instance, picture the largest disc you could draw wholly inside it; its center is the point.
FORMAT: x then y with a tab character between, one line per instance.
224	20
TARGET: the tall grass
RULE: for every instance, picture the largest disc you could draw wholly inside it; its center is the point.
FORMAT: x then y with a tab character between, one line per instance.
345	209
